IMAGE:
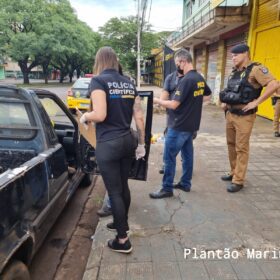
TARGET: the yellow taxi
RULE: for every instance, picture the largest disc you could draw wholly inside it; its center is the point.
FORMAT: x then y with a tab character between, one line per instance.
78	95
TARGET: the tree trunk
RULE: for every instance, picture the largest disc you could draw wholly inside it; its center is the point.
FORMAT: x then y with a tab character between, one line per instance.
25	71
78	73
25	77
61	78
63	74
45	72
71	76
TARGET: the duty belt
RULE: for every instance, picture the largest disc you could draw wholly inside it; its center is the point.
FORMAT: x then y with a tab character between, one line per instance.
240	112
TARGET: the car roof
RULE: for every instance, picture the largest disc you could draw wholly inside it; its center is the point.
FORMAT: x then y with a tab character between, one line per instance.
81	81
84	79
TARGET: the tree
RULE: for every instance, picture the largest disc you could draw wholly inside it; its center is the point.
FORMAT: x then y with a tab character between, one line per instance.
20	20
76	50
76	44
85	49
46	32
121	35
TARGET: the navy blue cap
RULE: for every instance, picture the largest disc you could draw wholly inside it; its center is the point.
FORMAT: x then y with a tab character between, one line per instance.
240	48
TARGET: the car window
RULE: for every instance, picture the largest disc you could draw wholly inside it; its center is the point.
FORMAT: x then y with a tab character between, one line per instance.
54	112
16	120
82	83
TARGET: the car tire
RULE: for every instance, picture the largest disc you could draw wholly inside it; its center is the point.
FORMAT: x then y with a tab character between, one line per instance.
16	270
87	180
73	111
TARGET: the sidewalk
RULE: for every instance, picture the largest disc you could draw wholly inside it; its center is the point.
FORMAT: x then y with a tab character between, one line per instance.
205	220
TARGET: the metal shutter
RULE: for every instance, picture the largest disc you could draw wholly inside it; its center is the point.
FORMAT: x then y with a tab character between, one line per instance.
212	67
199	60
267	12
230	43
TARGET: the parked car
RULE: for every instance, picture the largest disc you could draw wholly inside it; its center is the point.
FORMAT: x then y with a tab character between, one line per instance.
43	159
88	75
78	95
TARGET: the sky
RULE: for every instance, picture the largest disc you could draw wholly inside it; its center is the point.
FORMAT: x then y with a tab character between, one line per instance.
165	15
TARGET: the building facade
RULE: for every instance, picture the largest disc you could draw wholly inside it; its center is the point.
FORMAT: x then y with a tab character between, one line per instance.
210	29
11	69
264	41
163	65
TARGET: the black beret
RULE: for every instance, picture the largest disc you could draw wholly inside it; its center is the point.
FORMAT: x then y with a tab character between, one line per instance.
241	48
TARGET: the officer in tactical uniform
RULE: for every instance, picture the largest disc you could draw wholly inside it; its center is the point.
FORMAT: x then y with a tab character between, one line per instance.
240	100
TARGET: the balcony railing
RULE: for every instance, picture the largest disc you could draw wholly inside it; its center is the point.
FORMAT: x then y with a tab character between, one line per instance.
197	21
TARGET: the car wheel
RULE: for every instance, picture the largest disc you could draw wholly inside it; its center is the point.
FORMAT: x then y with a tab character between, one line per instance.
73	111
87	180
16	270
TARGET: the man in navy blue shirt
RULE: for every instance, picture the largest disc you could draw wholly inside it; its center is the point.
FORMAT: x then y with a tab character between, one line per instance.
186	106
170	85
169	88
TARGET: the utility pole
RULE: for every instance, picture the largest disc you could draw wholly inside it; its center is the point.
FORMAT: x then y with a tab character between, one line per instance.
138	45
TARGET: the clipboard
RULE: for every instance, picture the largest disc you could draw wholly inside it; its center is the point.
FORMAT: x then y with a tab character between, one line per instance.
90	133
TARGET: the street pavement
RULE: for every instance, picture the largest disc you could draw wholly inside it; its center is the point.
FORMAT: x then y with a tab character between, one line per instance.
206	233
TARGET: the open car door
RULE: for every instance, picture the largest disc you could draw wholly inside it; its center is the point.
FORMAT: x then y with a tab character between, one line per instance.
78	151
139	167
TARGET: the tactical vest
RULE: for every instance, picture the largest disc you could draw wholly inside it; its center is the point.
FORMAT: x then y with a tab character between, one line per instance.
239	90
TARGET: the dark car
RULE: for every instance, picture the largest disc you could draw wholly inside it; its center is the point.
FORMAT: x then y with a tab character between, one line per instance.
43	159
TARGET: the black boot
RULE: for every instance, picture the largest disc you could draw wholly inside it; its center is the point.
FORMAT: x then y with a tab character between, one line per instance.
232	188
226	177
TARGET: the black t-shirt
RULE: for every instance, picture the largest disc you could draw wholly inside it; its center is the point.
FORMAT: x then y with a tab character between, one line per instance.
189	93
120	96
170	85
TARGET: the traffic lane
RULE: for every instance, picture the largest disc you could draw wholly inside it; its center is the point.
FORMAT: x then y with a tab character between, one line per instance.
61	92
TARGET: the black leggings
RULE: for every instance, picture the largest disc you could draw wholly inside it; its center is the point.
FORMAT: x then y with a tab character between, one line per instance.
114	158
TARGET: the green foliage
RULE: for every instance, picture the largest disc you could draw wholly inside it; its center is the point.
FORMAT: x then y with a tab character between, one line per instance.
46	32
121	35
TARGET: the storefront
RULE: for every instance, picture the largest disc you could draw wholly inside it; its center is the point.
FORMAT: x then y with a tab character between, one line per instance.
212	67
163	65
264	42
230	43
199	60
158	69
169	64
